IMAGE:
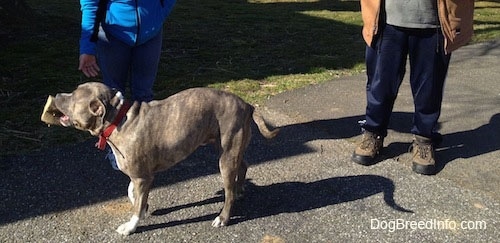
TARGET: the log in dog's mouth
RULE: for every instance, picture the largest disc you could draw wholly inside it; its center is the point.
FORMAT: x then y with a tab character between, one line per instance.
51	115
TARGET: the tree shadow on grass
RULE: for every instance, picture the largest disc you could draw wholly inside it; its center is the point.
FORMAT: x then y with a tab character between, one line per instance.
216	43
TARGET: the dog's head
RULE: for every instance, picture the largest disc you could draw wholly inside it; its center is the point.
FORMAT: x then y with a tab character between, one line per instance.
87	106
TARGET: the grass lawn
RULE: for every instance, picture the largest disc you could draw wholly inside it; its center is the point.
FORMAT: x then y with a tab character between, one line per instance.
254	48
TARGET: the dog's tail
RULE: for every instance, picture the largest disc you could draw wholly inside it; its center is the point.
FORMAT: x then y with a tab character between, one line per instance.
261	124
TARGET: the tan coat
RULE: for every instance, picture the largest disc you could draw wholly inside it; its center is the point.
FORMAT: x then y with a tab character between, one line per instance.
455	16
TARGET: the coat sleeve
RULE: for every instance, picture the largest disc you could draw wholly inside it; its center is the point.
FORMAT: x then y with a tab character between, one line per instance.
88	9
456	17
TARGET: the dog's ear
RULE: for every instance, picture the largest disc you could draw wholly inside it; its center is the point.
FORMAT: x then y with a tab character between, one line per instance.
97	108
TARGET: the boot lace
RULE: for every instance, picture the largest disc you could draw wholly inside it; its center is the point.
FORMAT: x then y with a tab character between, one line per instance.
424	151
369	142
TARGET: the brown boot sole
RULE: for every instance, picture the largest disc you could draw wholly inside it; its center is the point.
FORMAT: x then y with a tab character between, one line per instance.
424	169
363	160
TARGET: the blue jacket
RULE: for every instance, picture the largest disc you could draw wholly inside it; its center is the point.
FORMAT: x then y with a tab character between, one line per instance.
132	21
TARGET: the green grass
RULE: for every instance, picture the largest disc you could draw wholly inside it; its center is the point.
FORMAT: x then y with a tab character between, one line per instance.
255	48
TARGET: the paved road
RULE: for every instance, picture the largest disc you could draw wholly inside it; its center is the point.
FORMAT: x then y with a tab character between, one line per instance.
302	185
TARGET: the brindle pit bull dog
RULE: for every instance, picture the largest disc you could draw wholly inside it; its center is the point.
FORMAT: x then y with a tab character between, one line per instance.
150	137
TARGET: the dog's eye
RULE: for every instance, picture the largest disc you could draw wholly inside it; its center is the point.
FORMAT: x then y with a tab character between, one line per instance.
76	124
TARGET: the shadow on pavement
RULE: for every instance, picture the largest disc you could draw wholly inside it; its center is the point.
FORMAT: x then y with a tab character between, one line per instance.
463	144
73	176
470	143
68	177
291	197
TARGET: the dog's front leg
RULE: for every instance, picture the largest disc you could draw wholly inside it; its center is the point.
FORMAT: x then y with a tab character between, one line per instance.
140	191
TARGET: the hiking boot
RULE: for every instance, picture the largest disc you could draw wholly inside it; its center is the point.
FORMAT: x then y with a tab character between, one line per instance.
423	156
368	148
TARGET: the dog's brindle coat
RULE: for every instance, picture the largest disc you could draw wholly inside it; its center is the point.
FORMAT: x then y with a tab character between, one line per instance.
154	136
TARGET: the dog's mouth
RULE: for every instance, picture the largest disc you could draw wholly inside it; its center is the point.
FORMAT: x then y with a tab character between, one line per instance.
65	120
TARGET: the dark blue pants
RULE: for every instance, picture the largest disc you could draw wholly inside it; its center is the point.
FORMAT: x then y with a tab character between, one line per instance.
386	66
120	62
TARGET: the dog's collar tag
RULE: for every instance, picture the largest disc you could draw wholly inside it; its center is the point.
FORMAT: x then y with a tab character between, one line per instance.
103	137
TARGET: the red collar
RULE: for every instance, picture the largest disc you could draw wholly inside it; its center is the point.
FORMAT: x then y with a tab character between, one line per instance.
103	137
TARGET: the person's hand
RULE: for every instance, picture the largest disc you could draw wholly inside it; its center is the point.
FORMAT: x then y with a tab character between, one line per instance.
88	65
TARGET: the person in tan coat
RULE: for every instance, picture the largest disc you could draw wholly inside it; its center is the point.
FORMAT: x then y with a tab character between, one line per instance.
425	32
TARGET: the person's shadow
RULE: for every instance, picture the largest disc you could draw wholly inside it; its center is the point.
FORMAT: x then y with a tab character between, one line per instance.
463	144
291	197
470	143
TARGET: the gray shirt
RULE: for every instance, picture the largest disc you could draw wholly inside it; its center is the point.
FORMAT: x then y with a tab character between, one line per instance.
419	14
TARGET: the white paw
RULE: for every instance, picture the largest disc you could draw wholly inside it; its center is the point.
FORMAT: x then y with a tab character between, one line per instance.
217	222
125	229
129	227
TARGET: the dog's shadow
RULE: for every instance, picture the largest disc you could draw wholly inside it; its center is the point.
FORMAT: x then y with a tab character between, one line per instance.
290	197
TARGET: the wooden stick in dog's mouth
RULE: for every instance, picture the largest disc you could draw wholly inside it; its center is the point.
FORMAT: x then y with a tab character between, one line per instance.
50	114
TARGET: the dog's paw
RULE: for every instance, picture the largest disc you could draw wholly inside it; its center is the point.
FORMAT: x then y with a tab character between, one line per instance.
129	227
218	222
125	229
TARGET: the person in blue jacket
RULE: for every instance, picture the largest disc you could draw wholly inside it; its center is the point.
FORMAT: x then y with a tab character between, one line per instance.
128	44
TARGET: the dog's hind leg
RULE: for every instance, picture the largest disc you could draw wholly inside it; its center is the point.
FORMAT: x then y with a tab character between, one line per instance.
242	165
229	172
233	170
240	180
140	190
130	191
